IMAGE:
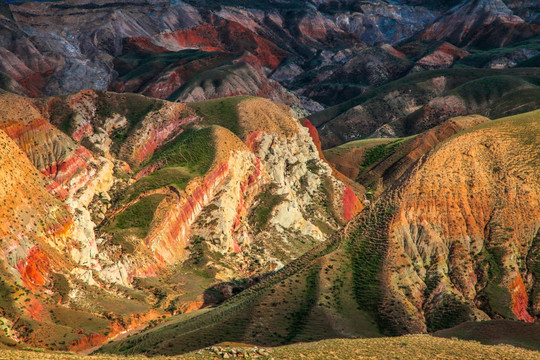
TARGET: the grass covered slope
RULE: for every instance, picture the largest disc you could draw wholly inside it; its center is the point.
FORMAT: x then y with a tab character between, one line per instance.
405	347
516	333
402	265
379	162
420	101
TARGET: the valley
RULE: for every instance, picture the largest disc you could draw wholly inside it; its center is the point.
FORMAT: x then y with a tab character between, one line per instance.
329	178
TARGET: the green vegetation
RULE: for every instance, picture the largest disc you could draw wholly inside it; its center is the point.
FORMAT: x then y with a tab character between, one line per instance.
518	101
417	86
212	78
193	149
61	114
487	89
479	58
189	155
267	201
140	214
494	332
196	249
175	176
449	312
133	106
500	300
367	247
61	286
7	298
67	317
299	317
378	153
366	257
136	64
222	112
533	259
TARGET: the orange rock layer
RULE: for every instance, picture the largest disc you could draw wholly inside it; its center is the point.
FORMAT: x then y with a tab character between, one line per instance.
34	268
168	241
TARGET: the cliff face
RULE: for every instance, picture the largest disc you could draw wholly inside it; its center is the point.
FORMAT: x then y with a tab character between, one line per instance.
33	221
475	255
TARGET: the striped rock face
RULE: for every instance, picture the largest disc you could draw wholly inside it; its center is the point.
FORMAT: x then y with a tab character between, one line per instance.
137	188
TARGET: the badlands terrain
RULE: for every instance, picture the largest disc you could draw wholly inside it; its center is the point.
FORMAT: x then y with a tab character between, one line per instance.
272	179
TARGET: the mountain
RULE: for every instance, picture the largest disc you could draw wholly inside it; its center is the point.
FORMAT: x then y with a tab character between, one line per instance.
144	207
268	172
402	265
423	100
308	54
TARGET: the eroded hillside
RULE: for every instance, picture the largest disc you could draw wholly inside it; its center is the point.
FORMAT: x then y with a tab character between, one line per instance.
453	239
144	208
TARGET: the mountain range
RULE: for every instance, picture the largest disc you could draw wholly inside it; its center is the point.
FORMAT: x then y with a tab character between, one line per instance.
268	173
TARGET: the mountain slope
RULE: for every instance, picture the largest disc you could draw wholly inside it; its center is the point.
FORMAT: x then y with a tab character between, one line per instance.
378	163
161	207
402	265
421	101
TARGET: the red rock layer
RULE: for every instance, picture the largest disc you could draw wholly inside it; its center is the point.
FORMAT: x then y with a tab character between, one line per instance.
35	309
34	268
35	83
158	136
351	203
34	224
247	186
520	299
204	37
169	240
63	171
226	36
136	321
142	44
51	151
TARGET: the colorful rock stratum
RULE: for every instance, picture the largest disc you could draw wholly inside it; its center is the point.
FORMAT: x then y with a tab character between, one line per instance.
218	178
